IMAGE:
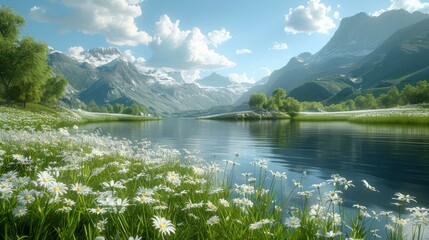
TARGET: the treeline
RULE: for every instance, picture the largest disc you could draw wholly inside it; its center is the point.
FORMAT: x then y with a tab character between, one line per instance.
278	101
393	97
134	109
25	75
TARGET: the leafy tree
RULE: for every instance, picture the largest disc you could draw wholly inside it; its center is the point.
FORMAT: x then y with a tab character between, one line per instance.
109	108
257	100
271	104
291	106
118	108
312	106
349	105
389	99
10	24
279	95
24	70
54	89
92	106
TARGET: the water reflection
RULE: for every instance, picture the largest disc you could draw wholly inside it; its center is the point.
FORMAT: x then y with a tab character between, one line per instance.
392	158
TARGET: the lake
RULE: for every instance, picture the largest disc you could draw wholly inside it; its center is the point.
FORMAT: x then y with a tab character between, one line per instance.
391	158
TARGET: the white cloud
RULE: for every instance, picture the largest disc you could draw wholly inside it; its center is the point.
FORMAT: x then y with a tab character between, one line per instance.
128	55
337	15
243	51
409	5
190	75
115	19
250	78
76	52
241	78
183	49
312	18
279	46
218	37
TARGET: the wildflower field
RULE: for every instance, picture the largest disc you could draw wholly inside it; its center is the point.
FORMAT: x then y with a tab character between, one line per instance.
63	183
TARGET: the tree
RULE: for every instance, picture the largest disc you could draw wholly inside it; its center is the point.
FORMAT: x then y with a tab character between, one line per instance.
291	106
54	89
24	68
257	100
279	95
92	106
271	104
10	24
389	99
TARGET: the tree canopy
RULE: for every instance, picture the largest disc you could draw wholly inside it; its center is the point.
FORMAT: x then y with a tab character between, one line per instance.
25	72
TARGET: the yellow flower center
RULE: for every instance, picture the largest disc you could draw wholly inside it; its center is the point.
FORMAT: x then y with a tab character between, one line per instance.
27	197
56	188
162	226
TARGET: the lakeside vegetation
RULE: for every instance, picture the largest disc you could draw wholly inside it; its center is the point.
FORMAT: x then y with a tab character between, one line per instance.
67	184
39	116
408	106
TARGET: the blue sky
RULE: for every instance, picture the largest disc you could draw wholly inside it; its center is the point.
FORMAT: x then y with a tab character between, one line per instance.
243	39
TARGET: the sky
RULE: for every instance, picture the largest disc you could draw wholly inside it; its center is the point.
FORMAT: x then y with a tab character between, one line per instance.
243	39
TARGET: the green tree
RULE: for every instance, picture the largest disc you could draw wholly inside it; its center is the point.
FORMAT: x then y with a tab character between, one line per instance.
312	106
118	108
10	24
349	105
279	96
54	89
271	105
389	99
92	106
257	100
24	69
291	106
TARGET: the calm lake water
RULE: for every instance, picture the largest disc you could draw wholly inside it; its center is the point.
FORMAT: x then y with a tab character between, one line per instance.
391	158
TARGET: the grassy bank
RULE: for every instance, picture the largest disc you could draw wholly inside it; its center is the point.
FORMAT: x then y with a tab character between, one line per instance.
36	116
402	115
247	116
55	184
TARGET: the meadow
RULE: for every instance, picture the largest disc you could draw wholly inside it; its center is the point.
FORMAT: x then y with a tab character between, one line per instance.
401	115
64	183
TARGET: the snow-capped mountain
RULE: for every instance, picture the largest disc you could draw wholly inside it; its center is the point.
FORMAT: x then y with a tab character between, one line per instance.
216	81
98	56
106	76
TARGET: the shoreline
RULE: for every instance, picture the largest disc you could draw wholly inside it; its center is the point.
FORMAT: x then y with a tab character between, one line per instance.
397	115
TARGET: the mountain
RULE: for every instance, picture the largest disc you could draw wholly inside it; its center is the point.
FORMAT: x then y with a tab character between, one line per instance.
308	77
405	53
216	81
105	76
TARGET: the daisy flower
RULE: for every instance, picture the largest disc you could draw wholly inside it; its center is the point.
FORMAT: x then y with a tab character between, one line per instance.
164	226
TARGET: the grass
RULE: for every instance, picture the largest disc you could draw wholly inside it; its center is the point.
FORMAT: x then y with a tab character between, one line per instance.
38	116
247	116
55	184
403	115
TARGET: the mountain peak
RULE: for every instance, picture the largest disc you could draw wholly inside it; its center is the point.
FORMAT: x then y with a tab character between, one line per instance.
361	34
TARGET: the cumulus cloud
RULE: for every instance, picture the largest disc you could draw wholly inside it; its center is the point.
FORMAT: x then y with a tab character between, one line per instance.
409	5
279	46
115	19
218	37
243	51
309	19
183	49
76	52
